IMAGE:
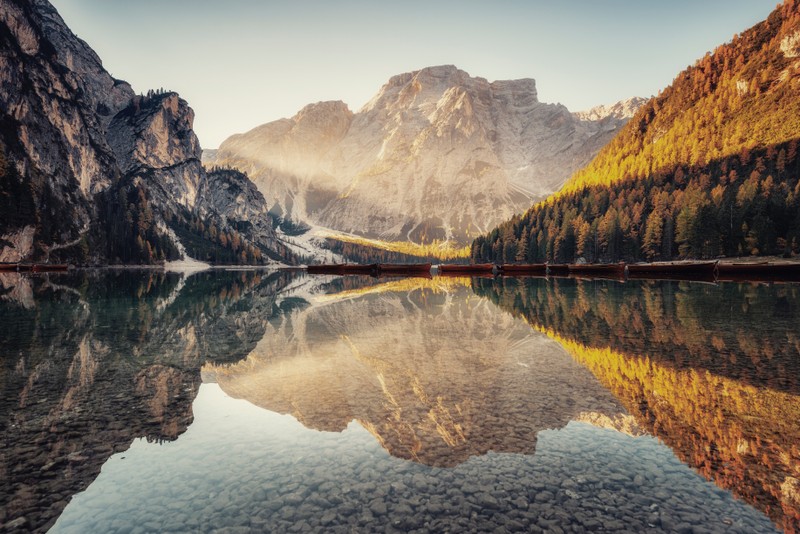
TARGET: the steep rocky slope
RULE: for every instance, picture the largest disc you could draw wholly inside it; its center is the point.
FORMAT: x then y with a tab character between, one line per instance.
741	96
622	110
436	154
93	173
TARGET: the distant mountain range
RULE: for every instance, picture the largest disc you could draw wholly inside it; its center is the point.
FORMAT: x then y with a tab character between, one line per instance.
92	173
707	168
435	155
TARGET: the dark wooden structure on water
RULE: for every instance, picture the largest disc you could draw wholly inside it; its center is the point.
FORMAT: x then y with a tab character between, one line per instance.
557	269
614	270
404	268
685	270
522	269
461	269
33	267
757	272
709	271
372	269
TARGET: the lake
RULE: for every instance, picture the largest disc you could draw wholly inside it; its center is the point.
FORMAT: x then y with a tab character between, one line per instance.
237	401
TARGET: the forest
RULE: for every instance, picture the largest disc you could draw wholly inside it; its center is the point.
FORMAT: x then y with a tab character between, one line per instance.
748	204
742	96
130	234
362	253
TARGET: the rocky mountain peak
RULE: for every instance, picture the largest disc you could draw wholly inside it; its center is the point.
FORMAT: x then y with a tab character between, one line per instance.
436	154
322	111
414	89
154	133
622	110
524	88
322	123
441	73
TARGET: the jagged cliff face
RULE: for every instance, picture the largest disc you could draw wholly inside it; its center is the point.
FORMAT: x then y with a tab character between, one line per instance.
620	111
58	96
154	136
88	166
55	103
436	154
231	195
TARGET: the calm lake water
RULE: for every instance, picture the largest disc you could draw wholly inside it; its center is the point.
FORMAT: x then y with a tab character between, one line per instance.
139	401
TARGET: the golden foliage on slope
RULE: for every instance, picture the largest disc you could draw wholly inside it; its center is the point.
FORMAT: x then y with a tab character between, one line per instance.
711	370
443	250
745	94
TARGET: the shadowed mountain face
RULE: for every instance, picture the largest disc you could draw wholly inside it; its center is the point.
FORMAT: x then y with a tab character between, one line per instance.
713	371
92	362
436	154
435	376
92	173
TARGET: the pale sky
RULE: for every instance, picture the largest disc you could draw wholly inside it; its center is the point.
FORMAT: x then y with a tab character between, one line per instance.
241	63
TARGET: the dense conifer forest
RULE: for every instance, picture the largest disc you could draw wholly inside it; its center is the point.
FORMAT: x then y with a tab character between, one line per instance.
360	253
740	205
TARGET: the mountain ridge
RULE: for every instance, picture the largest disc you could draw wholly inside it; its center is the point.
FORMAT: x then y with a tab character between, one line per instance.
435	155
624	109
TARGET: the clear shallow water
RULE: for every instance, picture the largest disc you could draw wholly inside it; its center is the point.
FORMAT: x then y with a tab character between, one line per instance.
279	476
136	402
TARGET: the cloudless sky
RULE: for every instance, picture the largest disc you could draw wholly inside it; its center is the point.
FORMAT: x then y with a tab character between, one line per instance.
241	63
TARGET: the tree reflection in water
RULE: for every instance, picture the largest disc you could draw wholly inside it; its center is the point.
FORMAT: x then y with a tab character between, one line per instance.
712	370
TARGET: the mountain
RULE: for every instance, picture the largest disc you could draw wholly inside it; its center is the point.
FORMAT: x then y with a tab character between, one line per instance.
622	110
92	173
435	155
707	168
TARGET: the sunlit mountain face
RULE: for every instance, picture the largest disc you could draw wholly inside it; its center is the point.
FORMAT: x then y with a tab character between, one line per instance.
269	398
436	155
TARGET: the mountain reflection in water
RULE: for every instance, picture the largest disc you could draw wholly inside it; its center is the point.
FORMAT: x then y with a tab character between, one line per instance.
93	360
435	374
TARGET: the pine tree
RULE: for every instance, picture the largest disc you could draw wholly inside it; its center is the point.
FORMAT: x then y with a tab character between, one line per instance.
653	235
